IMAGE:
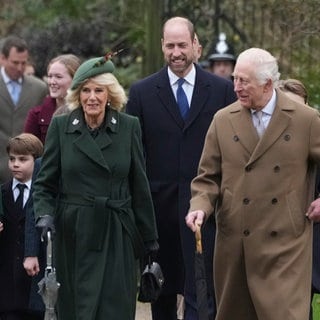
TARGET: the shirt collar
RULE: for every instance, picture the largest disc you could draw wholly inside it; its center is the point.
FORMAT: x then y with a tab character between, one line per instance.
6	78
15	182
190	77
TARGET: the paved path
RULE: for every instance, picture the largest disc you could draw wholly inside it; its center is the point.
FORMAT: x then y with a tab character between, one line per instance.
143	311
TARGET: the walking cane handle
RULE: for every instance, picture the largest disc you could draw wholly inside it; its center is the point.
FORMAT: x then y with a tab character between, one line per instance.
198	238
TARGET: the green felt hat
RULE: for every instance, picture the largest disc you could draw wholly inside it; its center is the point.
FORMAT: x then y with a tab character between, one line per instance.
91	68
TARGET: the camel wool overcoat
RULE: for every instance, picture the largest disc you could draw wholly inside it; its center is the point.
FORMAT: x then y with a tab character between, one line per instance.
98	193
262	188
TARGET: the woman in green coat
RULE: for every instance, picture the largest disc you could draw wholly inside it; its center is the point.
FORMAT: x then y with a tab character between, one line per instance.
93	192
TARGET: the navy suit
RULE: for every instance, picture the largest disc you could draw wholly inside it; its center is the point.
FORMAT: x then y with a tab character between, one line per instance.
172	149
18	240
18	296
34	247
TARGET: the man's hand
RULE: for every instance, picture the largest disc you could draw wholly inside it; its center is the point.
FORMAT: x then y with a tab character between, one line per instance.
195	217
313	212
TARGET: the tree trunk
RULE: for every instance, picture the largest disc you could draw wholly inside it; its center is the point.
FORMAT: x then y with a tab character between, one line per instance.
153	34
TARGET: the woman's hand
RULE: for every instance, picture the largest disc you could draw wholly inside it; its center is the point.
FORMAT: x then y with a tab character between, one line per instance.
31	265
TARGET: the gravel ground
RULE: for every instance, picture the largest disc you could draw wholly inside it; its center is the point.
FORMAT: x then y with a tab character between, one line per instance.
143	311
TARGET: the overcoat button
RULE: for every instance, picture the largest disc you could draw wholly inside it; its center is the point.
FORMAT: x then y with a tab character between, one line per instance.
235	138
274	201
287	137
249	168
246	232
273	233
276	168
246	201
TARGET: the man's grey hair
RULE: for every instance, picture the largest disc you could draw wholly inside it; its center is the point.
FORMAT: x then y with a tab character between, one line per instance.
265	65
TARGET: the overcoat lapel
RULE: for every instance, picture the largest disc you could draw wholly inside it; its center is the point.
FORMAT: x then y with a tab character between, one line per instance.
5	94
244	130
279	121
25	92
199	97
167	98
83	140
242	124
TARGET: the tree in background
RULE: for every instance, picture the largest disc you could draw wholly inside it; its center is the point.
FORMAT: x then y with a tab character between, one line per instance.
289	29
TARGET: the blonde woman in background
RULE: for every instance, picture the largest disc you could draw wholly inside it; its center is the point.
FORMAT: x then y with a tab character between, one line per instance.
59	76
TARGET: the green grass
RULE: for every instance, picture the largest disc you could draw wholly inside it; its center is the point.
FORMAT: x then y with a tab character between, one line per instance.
316	307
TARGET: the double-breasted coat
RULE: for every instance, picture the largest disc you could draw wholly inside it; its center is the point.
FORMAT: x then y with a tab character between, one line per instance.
172	149
12	117
262	262
98	193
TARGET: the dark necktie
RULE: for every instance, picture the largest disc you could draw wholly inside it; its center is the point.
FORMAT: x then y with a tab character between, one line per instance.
182	99
19	200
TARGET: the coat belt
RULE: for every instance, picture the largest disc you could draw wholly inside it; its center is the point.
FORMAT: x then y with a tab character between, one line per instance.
102	207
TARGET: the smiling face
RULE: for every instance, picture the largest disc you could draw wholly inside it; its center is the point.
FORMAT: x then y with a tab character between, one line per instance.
93	99
177	47
59	80
21	166
251	94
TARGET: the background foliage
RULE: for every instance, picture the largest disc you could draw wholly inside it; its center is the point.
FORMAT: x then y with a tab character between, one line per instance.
289	29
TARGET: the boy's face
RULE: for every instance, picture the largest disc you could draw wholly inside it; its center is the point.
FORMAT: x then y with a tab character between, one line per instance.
21	166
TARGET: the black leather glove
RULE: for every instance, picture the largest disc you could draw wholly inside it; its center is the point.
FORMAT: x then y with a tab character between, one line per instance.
151	249
45	224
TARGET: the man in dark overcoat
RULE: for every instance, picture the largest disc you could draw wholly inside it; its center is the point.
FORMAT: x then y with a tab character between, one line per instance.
173	146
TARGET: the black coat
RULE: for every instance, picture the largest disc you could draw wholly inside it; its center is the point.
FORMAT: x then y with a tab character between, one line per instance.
34	247
173	149
15	283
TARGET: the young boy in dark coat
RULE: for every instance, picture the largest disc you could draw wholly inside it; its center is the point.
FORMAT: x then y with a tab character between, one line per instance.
16	284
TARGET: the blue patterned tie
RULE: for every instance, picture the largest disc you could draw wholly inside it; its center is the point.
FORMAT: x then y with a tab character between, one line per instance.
14	91
182	99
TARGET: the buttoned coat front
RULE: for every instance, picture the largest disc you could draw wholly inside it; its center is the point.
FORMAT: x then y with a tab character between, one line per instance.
12	117
262	263
98	193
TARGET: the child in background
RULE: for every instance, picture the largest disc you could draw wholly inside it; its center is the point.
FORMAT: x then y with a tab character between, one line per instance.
15	283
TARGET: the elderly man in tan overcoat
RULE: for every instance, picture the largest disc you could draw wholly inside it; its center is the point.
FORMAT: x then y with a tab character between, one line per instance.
259	174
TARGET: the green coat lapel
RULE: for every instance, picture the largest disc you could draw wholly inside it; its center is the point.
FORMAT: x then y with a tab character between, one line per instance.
83	141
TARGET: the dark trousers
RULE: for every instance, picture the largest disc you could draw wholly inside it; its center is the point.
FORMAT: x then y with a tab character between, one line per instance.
20	315
165	308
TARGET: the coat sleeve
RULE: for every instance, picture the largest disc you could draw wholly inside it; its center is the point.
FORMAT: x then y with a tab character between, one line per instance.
46	186
205	187
140	191
32	236
31	123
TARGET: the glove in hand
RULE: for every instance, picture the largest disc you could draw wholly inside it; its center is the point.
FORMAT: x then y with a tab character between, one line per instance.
151	248
45	224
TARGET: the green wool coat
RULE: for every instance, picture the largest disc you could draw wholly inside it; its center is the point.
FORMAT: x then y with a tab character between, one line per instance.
98	193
